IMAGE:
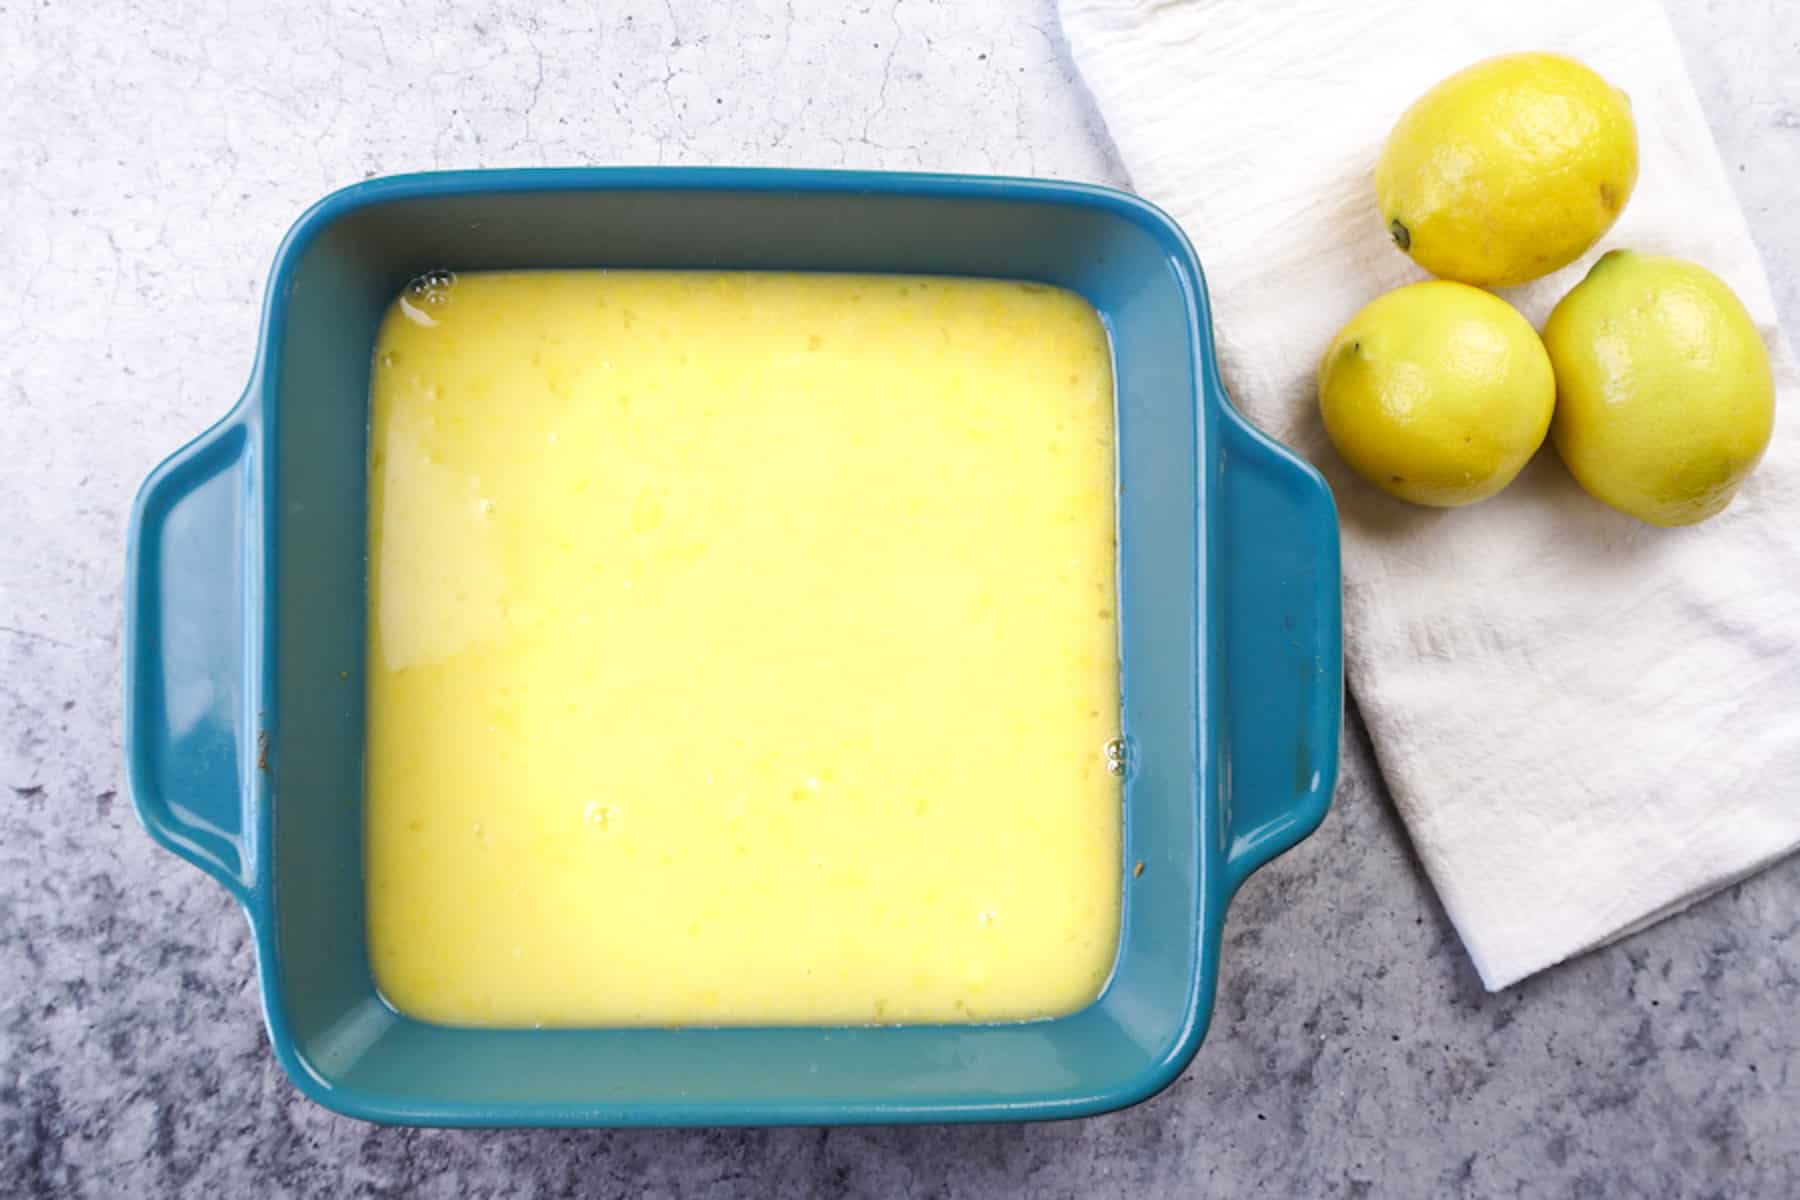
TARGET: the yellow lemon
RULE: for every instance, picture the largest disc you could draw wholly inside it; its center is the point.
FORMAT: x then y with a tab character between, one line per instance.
1508	170
1665	399
1437	393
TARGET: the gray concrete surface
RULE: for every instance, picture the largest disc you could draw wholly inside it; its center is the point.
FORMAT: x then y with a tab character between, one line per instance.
151	156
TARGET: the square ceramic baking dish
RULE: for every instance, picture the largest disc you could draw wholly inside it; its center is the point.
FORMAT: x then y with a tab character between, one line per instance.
245	619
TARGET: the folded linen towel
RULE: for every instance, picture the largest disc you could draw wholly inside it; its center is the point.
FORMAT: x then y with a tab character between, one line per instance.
1587	724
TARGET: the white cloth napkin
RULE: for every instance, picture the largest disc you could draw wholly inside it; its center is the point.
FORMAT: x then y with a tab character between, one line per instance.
1587	724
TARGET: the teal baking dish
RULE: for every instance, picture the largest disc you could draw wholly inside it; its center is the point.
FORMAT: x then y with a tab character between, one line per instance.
244	648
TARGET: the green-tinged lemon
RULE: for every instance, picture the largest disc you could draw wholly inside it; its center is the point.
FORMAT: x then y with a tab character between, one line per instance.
1665	399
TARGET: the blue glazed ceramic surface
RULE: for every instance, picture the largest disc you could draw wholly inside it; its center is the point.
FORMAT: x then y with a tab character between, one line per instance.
244	648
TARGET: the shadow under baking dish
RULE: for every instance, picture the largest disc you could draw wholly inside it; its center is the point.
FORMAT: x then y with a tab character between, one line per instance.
245	639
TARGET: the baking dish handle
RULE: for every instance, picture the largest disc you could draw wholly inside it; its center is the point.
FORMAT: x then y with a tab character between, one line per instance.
1282	668
189	747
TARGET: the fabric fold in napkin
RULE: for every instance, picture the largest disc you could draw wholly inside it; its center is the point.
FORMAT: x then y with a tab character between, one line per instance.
1586	723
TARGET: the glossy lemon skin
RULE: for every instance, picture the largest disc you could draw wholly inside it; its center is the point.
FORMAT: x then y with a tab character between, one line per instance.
1665	397
1437	393
1508	170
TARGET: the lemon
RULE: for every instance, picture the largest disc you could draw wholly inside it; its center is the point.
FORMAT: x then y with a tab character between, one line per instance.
1665	399
1437	393
1508	170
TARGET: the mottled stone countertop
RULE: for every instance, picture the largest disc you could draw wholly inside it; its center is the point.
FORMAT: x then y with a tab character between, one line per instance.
152	154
